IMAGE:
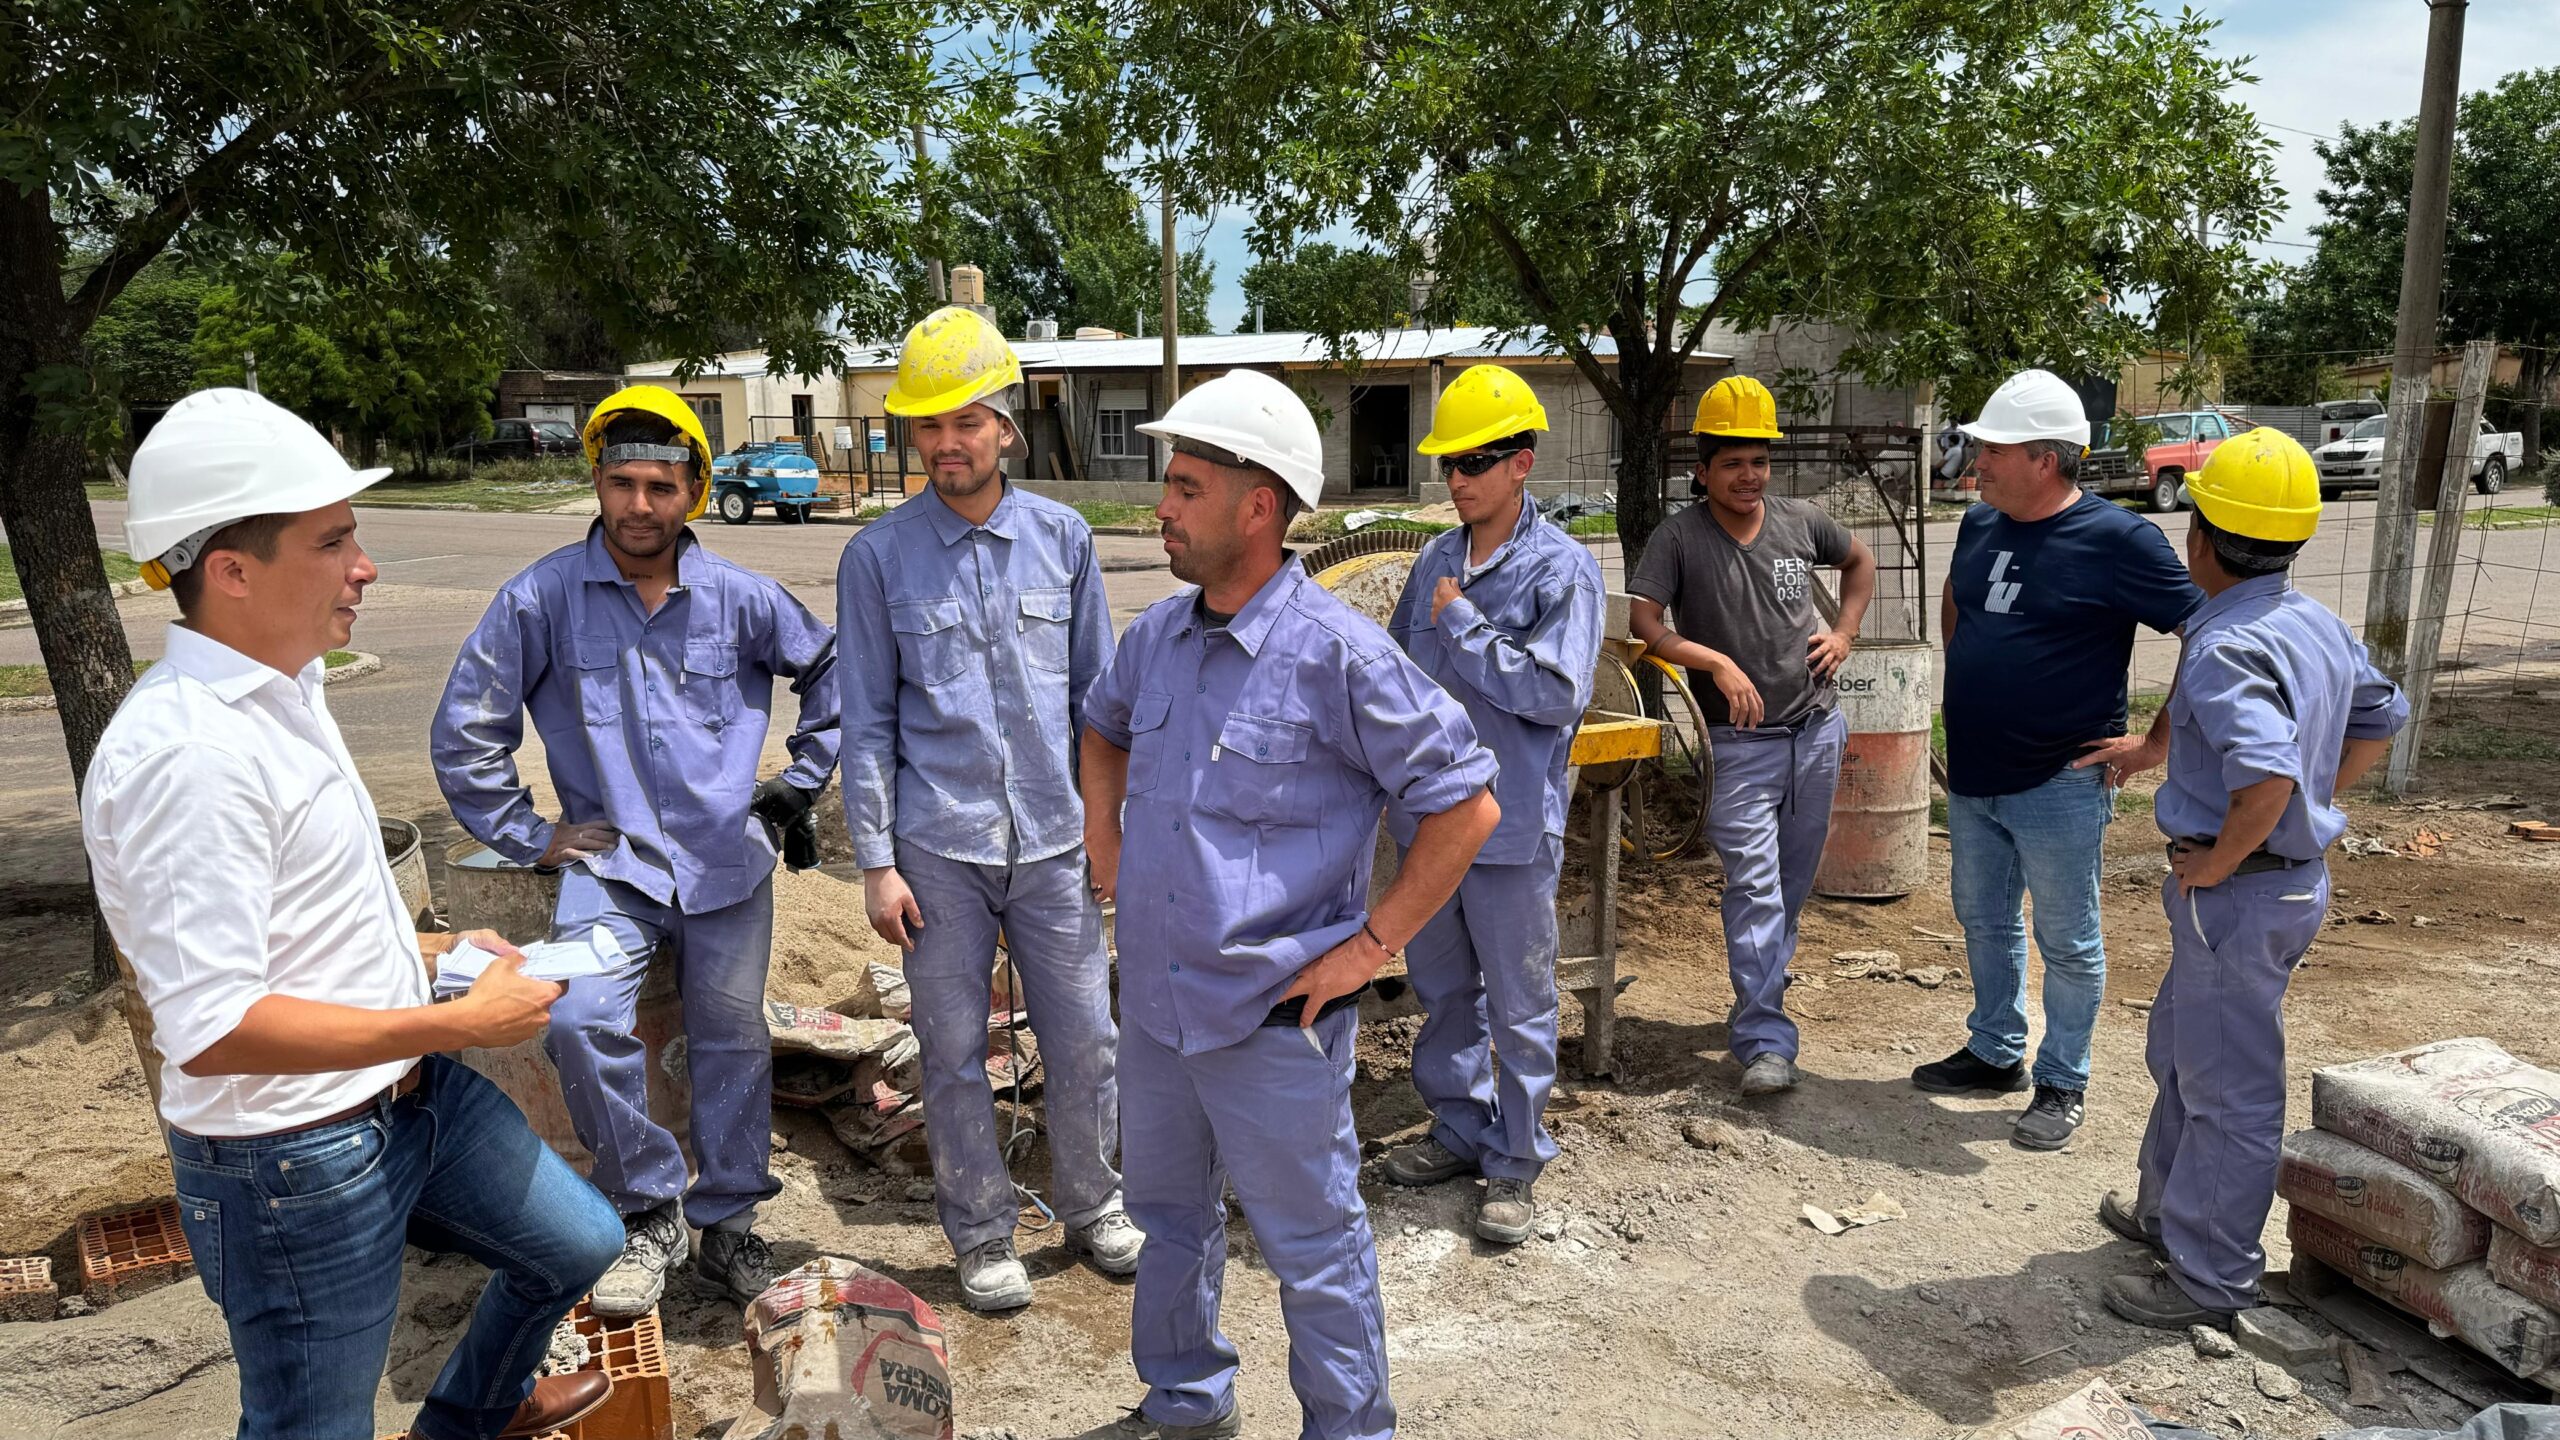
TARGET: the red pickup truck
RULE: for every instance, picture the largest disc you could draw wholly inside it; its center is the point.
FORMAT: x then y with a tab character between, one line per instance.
2186	437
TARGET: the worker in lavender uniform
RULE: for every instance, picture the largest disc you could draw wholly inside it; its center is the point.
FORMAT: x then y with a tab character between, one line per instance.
1237	756
1734	574
973	621
647	664
2276	708
1505	612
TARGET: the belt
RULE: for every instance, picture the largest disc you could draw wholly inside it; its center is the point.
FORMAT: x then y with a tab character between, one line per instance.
2257	862
396	1090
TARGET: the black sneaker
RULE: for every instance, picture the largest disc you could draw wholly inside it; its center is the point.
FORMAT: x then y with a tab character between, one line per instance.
2050	1119
1965	1073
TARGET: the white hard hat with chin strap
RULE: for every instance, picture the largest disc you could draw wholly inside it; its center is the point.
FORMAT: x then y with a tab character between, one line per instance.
1256	419
219	457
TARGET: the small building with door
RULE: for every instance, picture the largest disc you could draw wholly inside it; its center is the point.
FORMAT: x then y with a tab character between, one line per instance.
565	395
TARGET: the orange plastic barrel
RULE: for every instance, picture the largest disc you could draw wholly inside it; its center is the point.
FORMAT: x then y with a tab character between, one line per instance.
1879	844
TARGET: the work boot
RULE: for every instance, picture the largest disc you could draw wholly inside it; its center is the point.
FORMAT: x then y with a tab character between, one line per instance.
992	1278
1112	1242
1508	1211
1425	1162
653	1241
735	1264
1136	1426
2050	1119
1770	1074
2161	1303
1965	1073
557	1402
2117	1215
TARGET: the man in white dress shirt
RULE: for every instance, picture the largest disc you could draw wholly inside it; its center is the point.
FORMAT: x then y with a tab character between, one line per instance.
238	862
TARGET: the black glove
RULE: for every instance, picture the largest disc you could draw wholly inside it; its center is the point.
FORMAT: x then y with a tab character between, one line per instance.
790	820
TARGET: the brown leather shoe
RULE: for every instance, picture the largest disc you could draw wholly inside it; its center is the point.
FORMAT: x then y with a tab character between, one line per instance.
558	1401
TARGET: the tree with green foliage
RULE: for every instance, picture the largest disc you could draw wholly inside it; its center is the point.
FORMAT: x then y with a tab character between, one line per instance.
412	367
2500	282
1330	289
1968	185
143	346
1059	235
683	167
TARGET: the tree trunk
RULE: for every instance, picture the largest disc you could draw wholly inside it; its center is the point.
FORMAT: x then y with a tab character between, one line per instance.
1649	382
53	542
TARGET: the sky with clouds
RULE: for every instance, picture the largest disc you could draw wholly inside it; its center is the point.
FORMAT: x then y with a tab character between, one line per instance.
2317	62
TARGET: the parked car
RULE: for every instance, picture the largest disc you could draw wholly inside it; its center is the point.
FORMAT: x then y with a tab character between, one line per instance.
2186	437
778	473
2355	463
518	439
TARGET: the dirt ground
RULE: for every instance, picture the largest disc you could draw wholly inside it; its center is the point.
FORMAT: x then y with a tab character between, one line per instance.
1681	1292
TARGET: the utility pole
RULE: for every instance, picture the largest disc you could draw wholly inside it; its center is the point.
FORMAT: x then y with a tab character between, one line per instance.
2395	528
1172	299
924	213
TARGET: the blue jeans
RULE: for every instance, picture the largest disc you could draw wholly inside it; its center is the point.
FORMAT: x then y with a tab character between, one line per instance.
2048	842
298	1239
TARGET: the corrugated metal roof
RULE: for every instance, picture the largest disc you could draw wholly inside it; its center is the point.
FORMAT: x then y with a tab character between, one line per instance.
1286	347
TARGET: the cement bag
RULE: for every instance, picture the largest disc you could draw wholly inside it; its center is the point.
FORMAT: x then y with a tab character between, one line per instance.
2380	1200
814	1031
2464	1301
2094	1412
2465	1114
2528	1270
848	1354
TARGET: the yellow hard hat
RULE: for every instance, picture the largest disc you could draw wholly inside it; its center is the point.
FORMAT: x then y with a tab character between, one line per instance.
953	358
1484	404
1738	408
2260	484
667	405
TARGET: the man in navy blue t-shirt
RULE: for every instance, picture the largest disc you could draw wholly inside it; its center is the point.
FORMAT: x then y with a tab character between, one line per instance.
2042	598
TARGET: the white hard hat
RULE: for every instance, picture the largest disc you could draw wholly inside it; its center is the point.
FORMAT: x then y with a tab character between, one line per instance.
1254	417
2032	405
224	455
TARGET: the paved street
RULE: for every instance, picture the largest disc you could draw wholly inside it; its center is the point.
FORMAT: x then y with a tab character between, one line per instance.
439	568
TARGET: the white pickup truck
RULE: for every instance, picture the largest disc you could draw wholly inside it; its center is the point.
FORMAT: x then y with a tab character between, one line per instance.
2355	463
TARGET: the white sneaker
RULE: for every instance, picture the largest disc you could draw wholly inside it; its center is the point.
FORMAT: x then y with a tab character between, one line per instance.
653	1241
1113	1242
992	1278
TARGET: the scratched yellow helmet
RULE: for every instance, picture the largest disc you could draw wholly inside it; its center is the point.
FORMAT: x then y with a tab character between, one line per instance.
1738	408
953	358
667	405
1484	404
2260	484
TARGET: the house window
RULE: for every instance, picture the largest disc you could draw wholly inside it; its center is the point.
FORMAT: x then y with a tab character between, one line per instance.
1115	425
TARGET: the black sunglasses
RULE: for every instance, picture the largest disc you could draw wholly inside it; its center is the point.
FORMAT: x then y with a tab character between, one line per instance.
1475	464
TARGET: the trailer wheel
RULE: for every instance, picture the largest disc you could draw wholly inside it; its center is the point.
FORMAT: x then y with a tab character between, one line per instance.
2166	492
734	507
2493	476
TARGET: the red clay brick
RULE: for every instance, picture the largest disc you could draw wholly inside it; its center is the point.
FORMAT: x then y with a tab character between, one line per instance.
26	1289
124	1254
634	1353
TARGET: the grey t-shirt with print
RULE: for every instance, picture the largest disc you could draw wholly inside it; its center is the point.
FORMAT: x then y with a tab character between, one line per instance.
1753	602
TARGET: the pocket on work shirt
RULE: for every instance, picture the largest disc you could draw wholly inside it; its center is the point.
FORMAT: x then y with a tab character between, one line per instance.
932	646
1047	616
710	681
1257	772
1147	740
598	661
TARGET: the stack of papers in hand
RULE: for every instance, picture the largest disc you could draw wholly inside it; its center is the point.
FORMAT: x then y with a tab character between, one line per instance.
593	953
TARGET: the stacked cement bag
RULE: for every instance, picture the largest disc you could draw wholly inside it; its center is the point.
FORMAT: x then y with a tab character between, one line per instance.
2432	1180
